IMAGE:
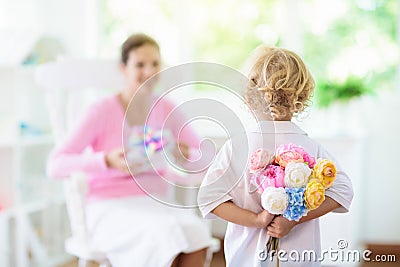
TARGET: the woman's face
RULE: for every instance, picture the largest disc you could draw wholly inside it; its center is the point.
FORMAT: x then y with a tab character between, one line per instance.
142	63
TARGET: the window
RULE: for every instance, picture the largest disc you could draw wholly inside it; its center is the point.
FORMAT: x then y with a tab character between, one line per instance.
338	39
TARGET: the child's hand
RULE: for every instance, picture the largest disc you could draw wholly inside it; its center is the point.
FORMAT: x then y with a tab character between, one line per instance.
264	218
280	227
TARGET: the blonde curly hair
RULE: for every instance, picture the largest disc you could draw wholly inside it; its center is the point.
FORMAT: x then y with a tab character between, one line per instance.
280	84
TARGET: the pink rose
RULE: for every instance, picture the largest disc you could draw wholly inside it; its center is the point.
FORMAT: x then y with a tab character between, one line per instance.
297	150
288	156
307	157
272	176
260	159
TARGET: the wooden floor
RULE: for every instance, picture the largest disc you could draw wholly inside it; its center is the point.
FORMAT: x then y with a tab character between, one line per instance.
218	260
383	249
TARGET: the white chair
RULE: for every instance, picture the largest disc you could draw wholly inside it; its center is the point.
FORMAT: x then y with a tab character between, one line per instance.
66	83
69	85
78	244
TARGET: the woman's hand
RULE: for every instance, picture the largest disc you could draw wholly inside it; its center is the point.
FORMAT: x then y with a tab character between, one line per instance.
115	159
280	226
181	152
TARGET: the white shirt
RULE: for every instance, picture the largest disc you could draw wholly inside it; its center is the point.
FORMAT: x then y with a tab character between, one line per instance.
228	180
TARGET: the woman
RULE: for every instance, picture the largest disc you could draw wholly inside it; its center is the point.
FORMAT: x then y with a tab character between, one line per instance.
124	222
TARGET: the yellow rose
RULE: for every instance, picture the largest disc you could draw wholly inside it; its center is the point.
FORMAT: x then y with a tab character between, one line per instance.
314	194
325	172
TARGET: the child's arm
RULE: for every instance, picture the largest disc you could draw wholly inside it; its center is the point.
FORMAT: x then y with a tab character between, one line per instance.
281	226
232	213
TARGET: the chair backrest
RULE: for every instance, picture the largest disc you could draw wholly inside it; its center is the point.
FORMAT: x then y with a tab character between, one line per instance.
71	84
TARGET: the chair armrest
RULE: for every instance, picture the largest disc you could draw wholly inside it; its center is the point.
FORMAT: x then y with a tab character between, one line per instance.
75	189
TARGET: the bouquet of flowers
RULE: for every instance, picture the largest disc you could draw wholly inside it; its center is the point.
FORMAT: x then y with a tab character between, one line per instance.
146	148
290	182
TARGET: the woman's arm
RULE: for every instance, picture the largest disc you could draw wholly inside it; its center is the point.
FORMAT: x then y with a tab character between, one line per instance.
281	226
232	213
68	156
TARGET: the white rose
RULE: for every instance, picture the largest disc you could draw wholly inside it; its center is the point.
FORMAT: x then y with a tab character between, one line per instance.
274	200
296	174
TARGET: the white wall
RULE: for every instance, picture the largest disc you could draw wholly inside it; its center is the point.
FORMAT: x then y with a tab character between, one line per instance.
67	21
380	211
374	122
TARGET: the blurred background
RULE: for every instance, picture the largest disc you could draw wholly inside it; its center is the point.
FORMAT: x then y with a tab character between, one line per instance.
351	47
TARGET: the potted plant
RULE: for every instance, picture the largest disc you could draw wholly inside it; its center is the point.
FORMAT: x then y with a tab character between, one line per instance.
340	113
331	91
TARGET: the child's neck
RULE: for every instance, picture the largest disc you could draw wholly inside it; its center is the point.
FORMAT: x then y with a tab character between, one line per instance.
261	116
288	118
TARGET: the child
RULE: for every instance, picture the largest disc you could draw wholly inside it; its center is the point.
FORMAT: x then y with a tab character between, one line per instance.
280	87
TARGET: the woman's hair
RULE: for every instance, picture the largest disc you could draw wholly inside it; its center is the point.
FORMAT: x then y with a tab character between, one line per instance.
279	83
133	42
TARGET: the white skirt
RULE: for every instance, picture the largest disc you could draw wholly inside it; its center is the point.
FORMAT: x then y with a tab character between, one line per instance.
139	231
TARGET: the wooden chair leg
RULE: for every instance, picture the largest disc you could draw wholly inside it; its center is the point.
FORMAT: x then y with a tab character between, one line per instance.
82	262
209	255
